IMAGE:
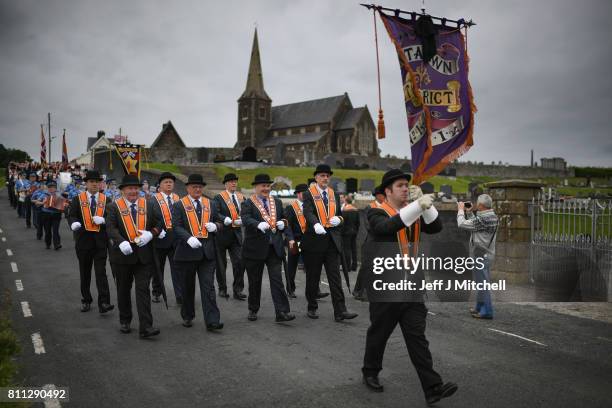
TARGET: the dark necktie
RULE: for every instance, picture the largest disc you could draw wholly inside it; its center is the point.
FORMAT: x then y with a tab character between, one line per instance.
169	203
265	204
325	200
235	202
199	210
134	212
92	207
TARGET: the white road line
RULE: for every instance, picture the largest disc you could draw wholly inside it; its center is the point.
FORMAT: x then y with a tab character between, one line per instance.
14	267
19	285
516	335
325	283
52	403
37	342
1	231
25	308
9	252
3	239
432	313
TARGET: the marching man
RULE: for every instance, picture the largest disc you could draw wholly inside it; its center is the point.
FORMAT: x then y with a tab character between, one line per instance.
297	223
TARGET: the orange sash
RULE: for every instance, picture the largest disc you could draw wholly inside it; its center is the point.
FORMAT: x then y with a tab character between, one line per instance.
197	228
232	208
128	223
299	215
270	219
324	215
86	211
402	235
374	204
165	210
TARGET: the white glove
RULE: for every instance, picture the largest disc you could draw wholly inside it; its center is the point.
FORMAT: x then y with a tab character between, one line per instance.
75	226
145	238
263	226
410	213
126	248
334	221
162	234
319	230
238	221
414	192
280	225
227	221
211	226
426	201
194	242
98	220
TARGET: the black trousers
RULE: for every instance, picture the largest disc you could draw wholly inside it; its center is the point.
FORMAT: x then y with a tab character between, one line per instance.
292	264
140	274
313	262
95	257
28	211
349	246
235	252
254	268
51	223
205	271
412	320
175	272
38	222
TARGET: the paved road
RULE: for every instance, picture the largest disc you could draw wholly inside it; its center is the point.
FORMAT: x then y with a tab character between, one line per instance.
304	363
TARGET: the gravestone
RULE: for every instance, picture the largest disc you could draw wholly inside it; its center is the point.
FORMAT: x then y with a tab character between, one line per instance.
349	163
333	182
447	190
406	167
427	187
279	153
249	154
351	185
367	185
341	187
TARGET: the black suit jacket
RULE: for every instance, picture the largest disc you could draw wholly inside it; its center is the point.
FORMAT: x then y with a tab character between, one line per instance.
229	234
311	242
255	245
117	234
167	241
350	226
294	224
183	252
83	239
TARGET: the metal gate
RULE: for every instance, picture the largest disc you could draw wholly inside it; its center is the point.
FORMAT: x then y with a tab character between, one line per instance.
571	249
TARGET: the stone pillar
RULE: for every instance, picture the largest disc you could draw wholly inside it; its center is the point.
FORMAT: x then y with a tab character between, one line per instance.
511	200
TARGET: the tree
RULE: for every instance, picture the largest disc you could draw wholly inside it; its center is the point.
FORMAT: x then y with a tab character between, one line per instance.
9	155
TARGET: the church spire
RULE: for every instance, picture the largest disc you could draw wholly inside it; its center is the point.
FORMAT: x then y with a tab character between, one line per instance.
255	86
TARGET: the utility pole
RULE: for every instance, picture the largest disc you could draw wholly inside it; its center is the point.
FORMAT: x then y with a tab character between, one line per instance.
49	134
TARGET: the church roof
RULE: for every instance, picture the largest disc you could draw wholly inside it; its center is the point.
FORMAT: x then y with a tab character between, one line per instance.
297	138
255	87
166	129
306	113
350	119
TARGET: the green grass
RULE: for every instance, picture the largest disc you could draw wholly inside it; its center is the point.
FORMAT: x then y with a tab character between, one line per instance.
570	224
171	167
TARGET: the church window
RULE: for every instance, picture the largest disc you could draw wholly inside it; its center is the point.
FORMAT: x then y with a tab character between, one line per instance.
262	112
244	130
317	128
275	133
303	130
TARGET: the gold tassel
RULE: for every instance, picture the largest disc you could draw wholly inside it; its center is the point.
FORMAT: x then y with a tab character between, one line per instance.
381	124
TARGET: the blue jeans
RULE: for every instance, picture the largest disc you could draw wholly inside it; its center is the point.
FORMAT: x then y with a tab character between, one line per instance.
483	297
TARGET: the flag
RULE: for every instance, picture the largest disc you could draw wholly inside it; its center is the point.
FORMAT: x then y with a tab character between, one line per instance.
437	93
130	157
43	147
64	151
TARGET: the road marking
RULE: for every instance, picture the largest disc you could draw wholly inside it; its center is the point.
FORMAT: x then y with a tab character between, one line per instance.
37	342
51	403
1	231
325	283
14	267
3	239
9	252
25	308
19	285
516	335
432	313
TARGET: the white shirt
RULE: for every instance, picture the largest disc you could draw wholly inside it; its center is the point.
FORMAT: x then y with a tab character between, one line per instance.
193	201
233	197
168	195
89	196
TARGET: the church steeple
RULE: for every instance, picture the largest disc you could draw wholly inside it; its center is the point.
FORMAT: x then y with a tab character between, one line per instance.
255	86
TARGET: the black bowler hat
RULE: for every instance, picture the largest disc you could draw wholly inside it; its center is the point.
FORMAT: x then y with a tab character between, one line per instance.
300	188
262	179
323	168
392	175
166	175
195	179
51	183
130	180
229	177
378	190
92	175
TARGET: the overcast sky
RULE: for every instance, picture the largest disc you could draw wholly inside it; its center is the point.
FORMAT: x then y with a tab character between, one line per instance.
540	70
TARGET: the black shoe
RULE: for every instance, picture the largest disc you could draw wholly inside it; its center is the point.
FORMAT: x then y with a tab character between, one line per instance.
284	317
57	247
291	295
85	307
48	246
312	314
125	328
372	383
105	307
179	300
155	299
187	323
39	238
223	294
252	316
239	296
345	316
322	295
440	391
214	326
149	332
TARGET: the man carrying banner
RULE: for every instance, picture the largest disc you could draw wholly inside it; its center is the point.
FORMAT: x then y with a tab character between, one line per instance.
394	228
195	252
164	245
264	223
228	204
87	218
131	226
297	224
51	214
322	244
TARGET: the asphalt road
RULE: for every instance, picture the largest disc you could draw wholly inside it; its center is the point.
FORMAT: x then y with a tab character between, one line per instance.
559	360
